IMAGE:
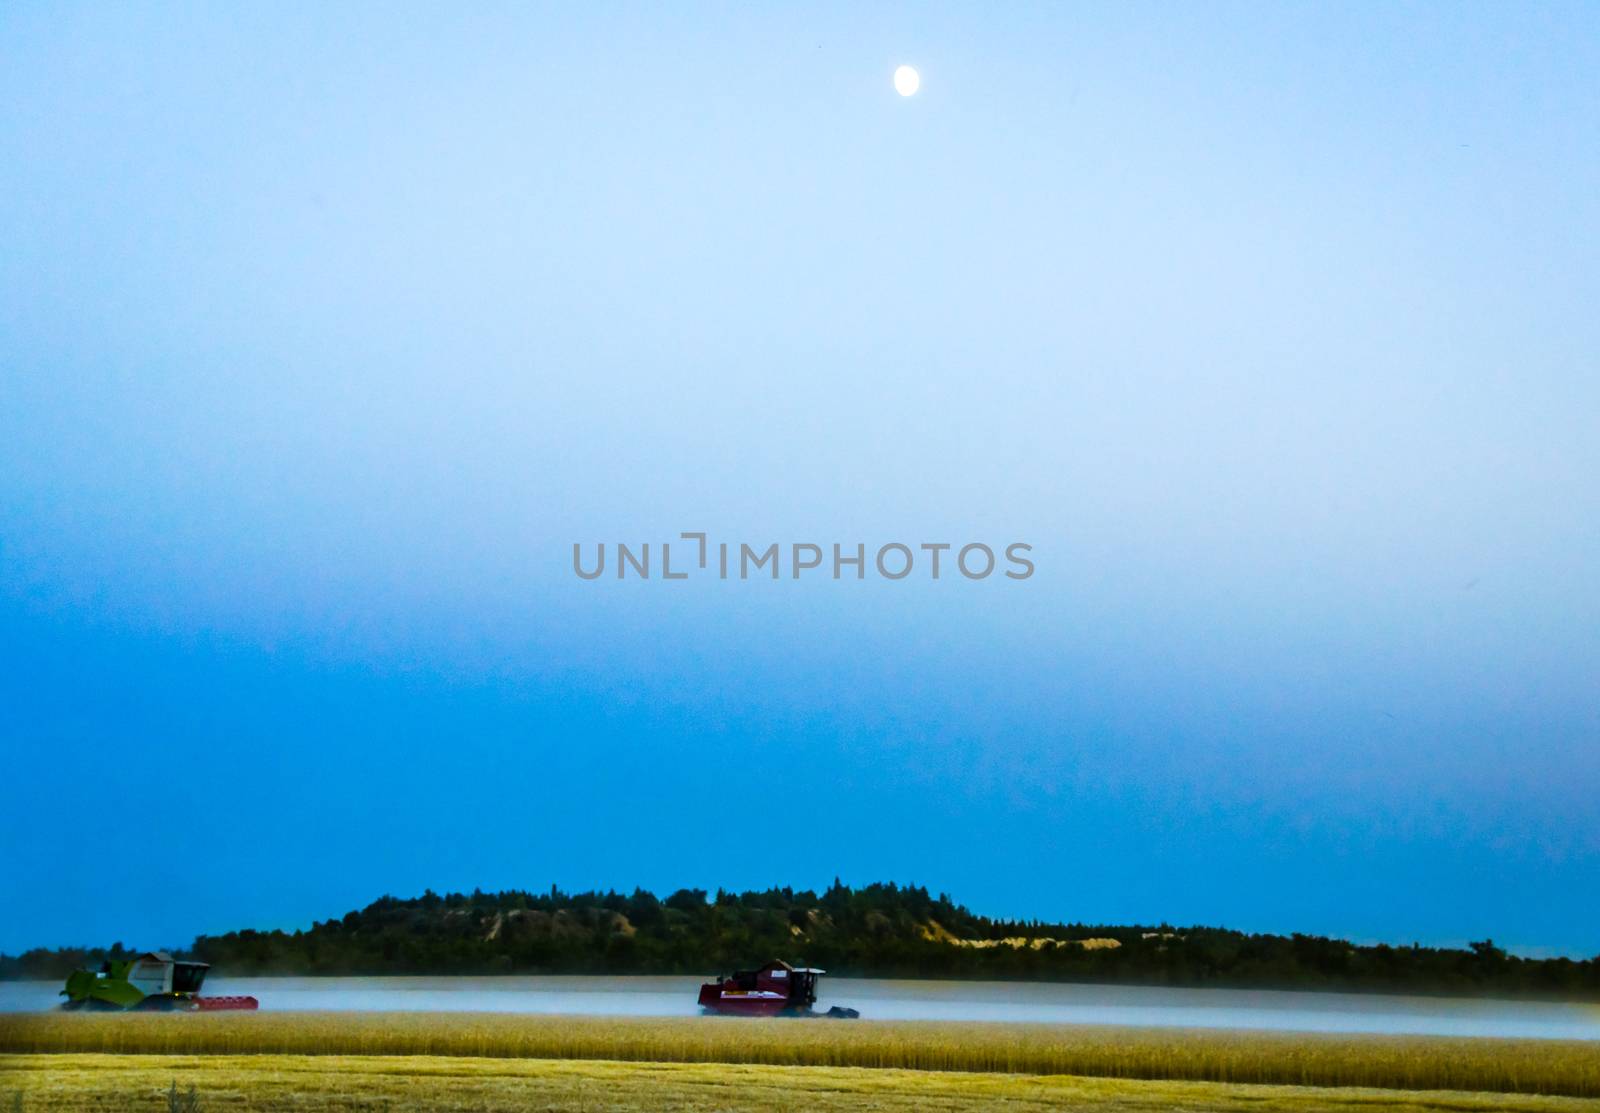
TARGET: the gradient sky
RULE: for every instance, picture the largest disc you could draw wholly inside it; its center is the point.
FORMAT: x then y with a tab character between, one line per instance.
325	334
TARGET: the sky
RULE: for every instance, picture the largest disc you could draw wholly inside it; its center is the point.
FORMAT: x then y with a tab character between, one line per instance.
325	334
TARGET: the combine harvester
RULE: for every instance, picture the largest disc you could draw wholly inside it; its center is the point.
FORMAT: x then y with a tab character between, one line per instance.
776	989
153	982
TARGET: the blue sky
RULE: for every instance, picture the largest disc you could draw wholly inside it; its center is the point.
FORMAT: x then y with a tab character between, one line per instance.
324	335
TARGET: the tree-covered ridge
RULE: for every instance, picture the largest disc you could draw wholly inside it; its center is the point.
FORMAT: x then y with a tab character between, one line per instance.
879	931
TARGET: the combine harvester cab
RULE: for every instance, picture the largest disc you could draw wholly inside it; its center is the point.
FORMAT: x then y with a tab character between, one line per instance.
776	989
153	982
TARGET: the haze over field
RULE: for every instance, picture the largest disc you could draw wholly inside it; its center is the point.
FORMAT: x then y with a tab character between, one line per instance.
325	335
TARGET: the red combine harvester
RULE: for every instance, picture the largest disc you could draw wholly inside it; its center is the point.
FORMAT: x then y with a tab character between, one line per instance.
776	989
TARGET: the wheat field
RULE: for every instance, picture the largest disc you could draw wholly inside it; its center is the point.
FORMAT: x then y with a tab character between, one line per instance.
427	1084
1551	1067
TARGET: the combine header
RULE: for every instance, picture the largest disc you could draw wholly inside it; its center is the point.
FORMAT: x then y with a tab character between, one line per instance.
153	982
776	989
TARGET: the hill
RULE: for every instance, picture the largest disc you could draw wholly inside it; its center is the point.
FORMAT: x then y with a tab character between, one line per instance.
878	931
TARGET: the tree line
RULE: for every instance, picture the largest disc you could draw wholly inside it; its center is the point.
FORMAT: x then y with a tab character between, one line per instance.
880	930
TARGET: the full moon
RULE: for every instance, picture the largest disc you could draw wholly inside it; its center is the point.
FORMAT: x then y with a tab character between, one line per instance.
906	81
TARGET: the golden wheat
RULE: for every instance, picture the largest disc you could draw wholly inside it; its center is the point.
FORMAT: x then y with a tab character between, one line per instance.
1569	1067
428	1084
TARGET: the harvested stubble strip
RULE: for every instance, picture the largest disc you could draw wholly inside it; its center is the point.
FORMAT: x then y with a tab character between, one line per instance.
1568	1067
